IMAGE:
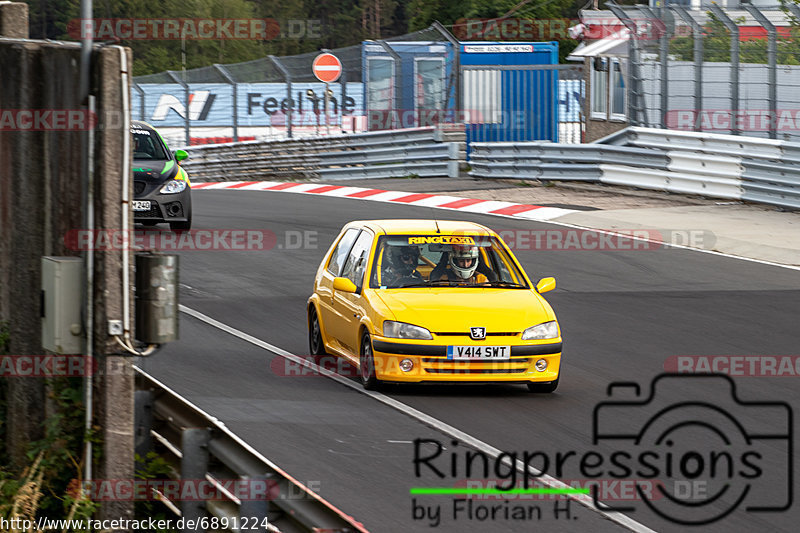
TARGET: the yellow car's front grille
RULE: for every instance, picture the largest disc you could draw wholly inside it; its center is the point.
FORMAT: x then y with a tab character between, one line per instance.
475	370
440	365
466	333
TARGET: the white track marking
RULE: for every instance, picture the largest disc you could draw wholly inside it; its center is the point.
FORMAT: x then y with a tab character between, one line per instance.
426	419
542	214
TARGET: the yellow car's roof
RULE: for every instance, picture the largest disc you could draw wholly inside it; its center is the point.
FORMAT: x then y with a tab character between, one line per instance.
423	227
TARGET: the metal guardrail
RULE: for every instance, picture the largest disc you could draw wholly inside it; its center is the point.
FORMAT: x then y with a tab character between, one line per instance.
718	166
425	152
201	448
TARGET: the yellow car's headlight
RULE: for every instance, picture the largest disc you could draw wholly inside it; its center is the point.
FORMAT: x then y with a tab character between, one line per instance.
546	330
401	330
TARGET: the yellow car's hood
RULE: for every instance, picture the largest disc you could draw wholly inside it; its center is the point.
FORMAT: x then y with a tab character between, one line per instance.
455	309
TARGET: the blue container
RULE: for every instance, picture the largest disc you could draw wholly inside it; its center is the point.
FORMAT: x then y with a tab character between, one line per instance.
509	93
413	89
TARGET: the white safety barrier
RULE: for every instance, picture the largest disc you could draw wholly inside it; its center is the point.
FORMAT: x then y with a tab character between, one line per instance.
424	152
718	166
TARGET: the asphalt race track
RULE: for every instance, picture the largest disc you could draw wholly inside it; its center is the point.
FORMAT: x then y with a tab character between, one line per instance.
622	313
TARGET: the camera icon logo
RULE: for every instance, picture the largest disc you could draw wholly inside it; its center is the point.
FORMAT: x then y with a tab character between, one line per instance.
708	452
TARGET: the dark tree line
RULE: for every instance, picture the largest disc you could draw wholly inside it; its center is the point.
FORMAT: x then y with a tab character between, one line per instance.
305	25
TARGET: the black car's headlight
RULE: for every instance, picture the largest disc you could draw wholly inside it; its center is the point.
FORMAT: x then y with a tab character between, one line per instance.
401	330
173	187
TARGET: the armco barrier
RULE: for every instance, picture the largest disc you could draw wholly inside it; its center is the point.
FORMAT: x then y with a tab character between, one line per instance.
203	450
428	152
718	166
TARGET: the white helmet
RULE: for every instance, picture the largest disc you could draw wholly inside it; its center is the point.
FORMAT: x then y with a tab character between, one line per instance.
464	260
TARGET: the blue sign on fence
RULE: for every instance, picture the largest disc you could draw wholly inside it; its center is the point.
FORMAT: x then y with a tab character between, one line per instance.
258	104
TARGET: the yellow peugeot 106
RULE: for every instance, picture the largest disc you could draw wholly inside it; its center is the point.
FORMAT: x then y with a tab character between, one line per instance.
433	301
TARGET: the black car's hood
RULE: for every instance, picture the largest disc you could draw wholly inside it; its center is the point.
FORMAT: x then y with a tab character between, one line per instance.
154	171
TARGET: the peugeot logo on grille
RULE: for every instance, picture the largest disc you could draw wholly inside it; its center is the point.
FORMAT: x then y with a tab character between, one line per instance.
477	333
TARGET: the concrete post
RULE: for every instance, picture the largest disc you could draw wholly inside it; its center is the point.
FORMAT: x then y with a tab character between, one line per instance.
14	20
194	465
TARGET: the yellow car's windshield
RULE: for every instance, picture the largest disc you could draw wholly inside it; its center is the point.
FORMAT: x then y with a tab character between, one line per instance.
403	261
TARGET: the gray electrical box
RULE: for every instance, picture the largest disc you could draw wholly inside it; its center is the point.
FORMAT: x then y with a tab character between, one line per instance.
156	298
62	282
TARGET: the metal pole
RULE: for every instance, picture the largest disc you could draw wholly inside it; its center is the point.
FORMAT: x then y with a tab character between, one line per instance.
227	75
288	78
734	29
343	84
772	65
141	99
398	74
187	95
663	59
456	69
87	197
697	37
637	114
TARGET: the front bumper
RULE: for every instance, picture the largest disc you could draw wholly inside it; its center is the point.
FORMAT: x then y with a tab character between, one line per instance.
431	363
165	207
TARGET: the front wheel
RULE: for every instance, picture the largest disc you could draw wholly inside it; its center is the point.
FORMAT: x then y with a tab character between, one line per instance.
182	226
315	344
543	388
367	365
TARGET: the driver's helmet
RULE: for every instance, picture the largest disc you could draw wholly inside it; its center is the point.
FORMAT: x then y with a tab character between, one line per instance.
464	260
404	259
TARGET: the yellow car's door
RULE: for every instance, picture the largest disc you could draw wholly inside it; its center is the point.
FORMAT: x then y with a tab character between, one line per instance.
350	305
330	315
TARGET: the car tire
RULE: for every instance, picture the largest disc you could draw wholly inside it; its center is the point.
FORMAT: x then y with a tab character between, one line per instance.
316	346
543	388
366	368
182	226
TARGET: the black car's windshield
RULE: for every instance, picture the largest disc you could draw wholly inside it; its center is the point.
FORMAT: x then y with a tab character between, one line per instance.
147	145
406	261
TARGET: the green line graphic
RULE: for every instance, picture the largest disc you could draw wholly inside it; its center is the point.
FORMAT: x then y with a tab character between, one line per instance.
451	490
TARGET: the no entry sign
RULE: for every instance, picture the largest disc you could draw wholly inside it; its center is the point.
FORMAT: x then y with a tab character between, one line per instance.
327	68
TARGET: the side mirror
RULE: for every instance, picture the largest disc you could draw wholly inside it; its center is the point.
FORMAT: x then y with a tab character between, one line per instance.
180	155
344	285
546	284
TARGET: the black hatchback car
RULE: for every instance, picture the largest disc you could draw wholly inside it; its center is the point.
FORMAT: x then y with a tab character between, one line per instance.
161	188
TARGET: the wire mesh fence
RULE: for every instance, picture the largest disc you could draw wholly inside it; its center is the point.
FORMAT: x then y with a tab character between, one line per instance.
714	70
407	81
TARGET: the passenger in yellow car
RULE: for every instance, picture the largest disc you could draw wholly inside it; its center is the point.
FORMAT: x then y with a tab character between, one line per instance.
401	269
462	264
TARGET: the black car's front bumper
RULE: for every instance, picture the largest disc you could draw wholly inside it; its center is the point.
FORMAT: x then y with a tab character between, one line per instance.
175	207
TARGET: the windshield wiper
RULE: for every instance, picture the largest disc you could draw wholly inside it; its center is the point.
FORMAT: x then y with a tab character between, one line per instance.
436	283
509	284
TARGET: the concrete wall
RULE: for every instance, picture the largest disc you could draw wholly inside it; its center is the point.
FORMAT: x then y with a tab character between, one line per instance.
41	200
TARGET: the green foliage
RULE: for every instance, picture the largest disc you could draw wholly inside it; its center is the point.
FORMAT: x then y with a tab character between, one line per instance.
5	340
306	25
152	466
62	445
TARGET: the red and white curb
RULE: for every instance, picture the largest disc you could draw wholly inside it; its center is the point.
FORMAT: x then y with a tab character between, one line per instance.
439	201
